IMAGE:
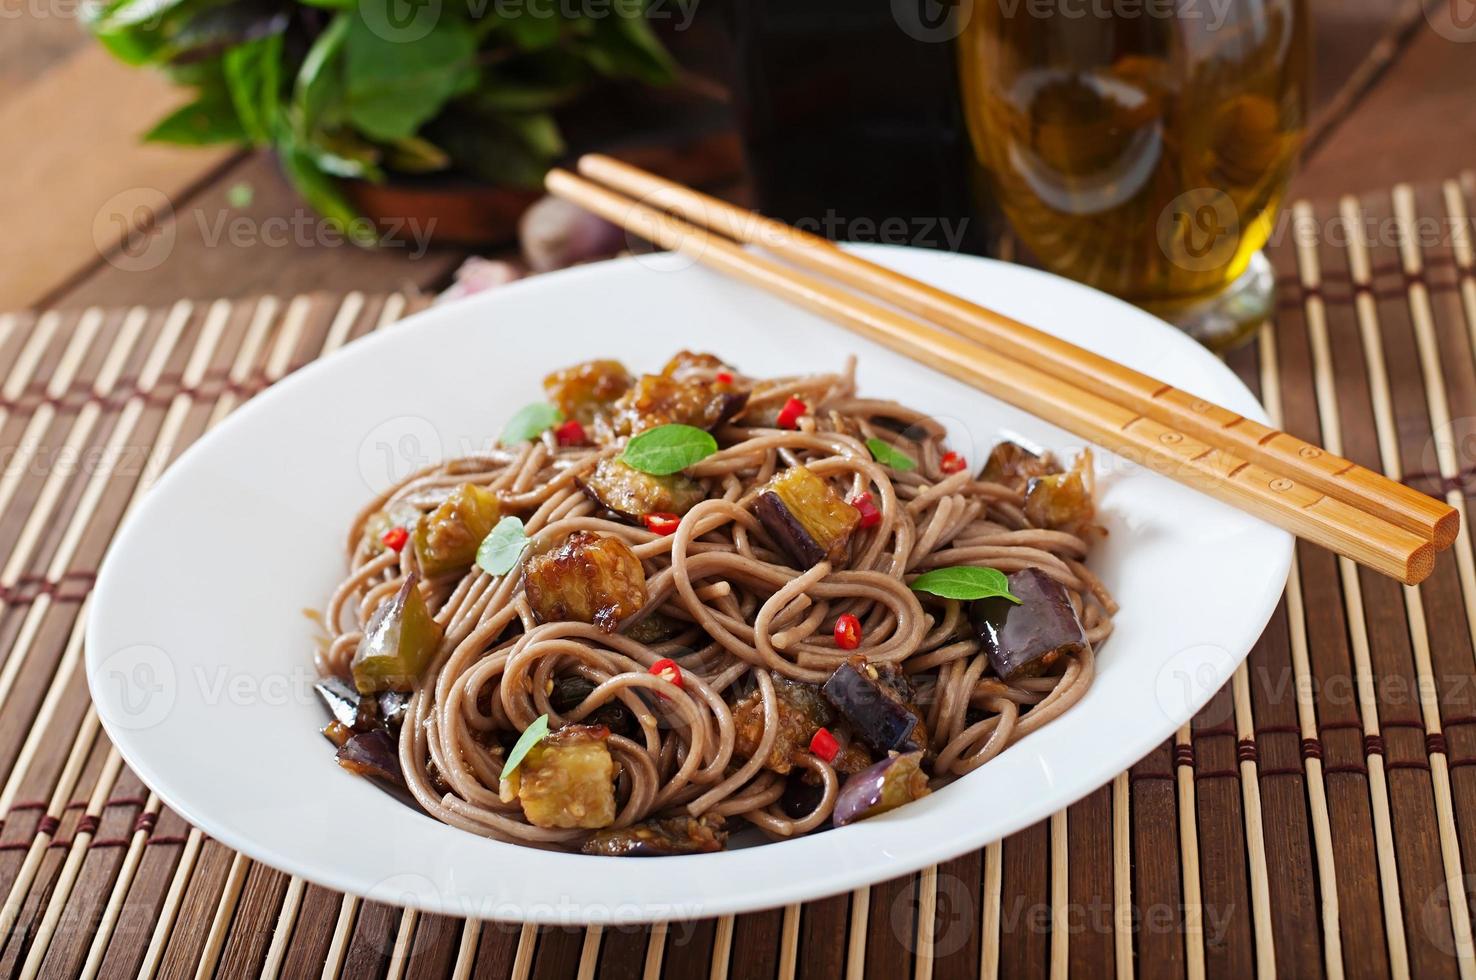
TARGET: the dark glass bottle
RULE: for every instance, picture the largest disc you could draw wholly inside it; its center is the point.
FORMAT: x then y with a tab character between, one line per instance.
850	117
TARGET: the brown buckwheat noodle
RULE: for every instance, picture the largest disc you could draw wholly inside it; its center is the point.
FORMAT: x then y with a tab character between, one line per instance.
745	614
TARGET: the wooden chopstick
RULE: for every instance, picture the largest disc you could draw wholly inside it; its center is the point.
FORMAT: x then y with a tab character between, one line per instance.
1308	464
1306	512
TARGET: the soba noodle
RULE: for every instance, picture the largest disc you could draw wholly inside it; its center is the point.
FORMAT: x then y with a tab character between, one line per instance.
743	616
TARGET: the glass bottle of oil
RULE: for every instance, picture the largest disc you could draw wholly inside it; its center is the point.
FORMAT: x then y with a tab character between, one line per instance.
1142	146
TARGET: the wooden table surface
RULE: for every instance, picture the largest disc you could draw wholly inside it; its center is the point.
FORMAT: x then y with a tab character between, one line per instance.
1392	102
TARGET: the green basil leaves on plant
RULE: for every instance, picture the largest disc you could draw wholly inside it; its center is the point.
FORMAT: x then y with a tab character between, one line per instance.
501	550
965	582
529	423
884	454
668	449
531	736
346	90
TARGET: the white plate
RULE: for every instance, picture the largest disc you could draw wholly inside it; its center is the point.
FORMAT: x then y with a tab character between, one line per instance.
199	656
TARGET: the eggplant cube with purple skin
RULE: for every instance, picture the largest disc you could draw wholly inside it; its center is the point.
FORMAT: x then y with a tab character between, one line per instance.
1029	638
876	700
806	516
895	781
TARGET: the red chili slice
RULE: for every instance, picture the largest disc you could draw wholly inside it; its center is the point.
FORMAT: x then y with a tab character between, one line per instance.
952	463
662	523
667	670
789	415
724	378
571	433
848	632
824	745
870	516
394	539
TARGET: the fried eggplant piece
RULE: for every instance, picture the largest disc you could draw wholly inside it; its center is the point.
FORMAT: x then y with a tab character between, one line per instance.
892	782
567	780
1027	639
686	363
802	710
656	399
806	516
1014	466
590	578
587	391
399	641
372	754
626	491
661	837
1063	501
447	538
878	702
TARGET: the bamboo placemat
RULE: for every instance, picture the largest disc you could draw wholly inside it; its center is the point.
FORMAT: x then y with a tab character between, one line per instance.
1317	818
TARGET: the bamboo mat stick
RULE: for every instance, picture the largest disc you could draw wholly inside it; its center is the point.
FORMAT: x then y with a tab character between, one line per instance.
1255	834
789	942
1122	877
856	937
523	958
927	918
1179	410
1060	894
466	950
655	952
282	934
400	952
989	926
220	922
1270	496
343	929
1189	862
589	953
722	948
1327	410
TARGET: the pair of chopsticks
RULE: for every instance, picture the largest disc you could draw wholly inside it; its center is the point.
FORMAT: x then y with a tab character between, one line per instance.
1297	486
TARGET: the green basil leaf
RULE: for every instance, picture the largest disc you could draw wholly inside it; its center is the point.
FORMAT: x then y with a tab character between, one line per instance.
668	449
529	423
397	77
253	73
884	454
501	550
965	582
531	736
209	119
